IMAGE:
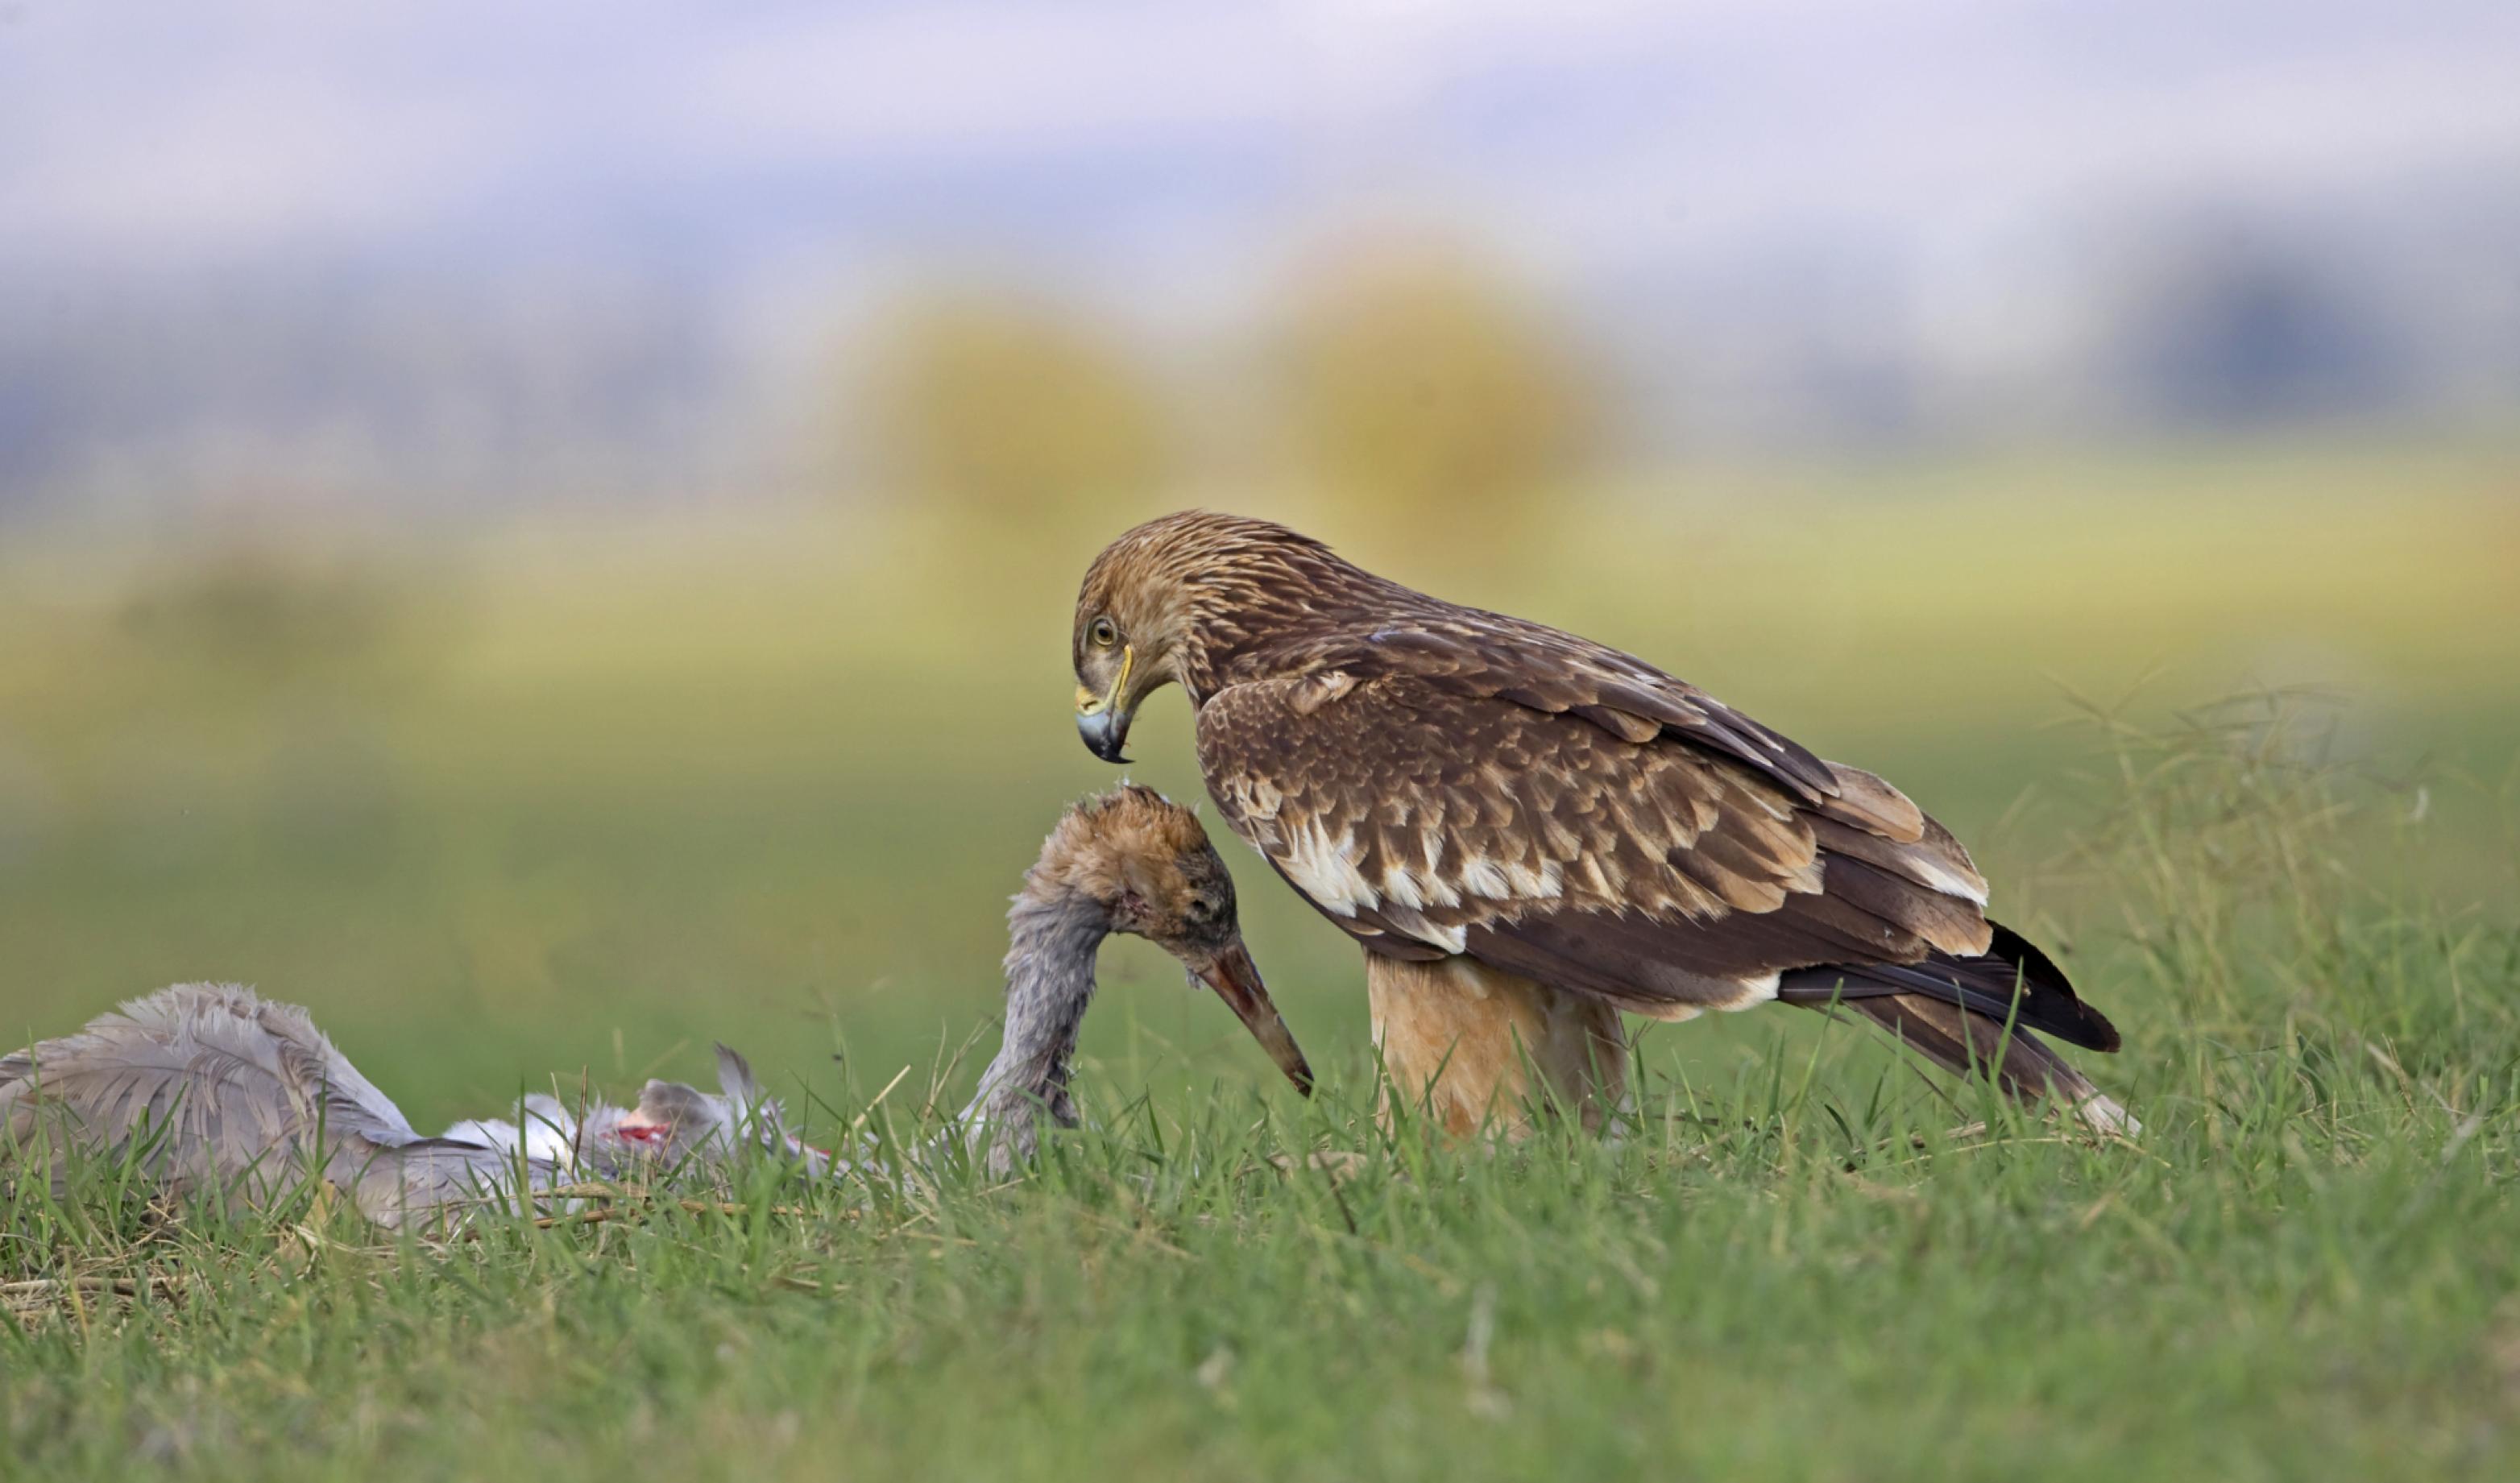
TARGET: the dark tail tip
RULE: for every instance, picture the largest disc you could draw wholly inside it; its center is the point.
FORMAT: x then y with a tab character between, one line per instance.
2012	981
2047	999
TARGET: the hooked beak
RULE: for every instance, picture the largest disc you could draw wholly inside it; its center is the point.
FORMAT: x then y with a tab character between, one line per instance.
1105	732
1104	720
1237	981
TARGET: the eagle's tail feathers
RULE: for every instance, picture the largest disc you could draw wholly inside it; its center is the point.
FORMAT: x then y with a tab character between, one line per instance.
2011	980
1972	1044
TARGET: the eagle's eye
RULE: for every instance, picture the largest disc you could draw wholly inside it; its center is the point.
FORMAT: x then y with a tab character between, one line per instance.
1104	633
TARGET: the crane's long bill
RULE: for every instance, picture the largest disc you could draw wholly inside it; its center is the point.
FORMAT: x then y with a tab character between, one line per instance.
1237	981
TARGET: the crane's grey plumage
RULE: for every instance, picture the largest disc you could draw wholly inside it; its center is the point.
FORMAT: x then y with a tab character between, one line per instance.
211	1087
672	1126
1052	945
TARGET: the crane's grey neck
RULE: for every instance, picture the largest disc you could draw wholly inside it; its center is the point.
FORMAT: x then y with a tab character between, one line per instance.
1052	943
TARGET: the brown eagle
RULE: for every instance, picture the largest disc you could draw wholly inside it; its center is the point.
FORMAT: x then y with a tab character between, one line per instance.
1529	832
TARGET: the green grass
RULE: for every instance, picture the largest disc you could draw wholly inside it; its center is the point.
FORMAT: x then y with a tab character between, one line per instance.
2306	1267
587	798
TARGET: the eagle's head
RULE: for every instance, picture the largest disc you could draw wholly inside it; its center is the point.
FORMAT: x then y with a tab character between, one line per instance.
1158	601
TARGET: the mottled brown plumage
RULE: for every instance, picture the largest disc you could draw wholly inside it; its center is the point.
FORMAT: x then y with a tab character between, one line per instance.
1455	785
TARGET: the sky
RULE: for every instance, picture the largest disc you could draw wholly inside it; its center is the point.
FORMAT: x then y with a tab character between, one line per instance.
703	196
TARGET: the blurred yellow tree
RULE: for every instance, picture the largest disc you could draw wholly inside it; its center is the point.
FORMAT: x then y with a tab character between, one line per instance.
1010	407
1424	382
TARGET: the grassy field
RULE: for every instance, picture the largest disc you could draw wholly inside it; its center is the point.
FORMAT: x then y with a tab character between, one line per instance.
581	797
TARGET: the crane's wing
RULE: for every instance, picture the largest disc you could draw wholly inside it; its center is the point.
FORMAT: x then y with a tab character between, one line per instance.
209	1085
209	1082
1650	864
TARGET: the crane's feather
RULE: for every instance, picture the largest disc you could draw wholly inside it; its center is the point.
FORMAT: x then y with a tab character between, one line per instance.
211	1086
218	1081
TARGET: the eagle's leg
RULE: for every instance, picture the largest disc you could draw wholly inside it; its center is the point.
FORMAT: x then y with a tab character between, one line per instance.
1472	1047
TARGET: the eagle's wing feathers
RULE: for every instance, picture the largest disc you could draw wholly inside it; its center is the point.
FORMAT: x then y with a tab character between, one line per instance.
1643	867
1490	656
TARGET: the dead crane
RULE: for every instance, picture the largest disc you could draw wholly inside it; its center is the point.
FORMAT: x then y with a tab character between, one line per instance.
212	1087
209	1086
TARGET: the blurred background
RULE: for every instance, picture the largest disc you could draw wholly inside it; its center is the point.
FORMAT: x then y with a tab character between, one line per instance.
546	534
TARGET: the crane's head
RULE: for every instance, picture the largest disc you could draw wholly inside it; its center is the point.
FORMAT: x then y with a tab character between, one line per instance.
1134	862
